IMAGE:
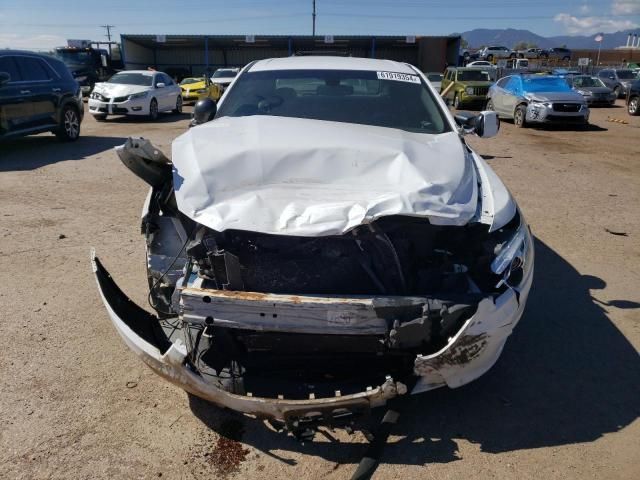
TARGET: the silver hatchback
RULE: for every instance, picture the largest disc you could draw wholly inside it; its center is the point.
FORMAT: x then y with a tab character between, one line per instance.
537	99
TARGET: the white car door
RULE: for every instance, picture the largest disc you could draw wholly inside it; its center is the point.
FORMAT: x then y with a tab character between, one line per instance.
160	92
172	91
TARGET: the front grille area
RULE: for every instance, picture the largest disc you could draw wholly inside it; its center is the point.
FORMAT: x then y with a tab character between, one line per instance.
480	91
566	107
121	99
563	119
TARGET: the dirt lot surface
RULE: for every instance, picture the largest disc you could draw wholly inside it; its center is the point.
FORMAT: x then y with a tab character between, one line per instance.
562	402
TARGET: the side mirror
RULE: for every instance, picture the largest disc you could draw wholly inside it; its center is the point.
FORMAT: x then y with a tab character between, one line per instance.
4	78
203	112
160	85
485	124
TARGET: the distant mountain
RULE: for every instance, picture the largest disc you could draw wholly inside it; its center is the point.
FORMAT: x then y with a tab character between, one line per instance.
509	37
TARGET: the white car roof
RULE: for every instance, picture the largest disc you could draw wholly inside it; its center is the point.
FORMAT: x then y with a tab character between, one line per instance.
330	63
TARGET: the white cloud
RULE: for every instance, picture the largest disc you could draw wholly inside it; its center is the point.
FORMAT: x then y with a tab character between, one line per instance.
31	42
584	9
590	25
625	7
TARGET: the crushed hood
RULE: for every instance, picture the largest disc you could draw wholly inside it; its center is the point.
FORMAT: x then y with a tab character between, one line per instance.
291	176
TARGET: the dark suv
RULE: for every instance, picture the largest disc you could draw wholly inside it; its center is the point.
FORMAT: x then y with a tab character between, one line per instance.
560	53
38	94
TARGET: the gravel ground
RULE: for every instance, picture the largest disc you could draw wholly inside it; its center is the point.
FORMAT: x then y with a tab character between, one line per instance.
562	402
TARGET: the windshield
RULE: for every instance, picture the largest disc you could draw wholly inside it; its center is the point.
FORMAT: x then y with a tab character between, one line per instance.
380	99
74	57
473	76
434	77
187	81
587	82
128	78
224	74
625	74
545	84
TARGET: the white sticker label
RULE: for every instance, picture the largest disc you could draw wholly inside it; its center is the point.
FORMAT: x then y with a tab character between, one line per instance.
399	77
340	318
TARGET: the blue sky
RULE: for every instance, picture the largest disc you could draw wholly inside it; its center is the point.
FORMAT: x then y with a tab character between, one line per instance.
41	24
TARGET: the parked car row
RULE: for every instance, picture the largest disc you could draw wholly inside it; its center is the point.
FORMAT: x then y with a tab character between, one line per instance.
494	52
558	96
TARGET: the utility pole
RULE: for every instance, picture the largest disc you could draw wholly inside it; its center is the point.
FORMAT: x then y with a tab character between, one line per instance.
108	35
313	15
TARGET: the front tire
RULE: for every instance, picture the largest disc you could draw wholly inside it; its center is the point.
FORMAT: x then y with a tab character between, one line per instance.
520	116
69	129
178	108
153	109
456	101
634	106
617	91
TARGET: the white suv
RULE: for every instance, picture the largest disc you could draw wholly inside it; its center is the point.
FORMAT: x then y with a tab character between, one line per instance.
489	53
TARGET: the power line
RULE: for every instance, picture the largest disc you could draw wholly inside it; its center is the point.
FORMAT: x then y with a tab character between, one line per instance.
108	27
108	35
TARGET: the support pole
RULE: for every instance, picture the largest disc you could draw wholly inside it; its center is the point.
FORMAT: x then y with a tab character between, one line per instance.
313	15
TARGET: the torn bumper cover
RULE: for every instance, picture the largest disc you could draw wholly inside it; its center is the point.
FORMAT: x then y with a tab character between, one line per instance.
467	355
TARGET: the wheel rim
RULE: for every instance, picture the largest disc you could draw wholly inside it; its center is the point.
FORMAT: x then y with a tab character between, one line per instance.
179	104
153	109
633	106
71	124
518	117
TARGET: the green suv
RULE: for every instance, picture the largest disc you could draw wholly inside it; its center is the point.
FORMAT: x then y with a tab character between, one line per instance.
470	88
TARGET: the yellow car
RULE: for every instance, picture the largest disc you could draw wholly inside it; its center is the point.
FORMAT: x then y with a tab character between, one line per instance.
197	88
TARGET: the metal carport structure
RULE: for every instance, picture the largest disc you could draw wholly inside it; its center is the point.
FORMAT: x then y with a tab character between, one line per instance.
182	55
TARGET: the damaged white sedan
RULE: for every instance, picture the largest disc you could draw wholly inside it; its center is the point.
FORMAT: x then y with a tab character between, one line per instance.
326	243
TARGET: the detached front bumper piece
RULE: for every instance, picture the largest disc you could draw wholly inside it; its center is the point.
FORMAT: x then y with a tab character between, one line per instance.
142	333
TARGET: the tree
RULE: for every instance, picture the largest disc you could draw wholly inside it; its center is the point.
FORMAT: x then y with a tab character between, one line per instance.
520	46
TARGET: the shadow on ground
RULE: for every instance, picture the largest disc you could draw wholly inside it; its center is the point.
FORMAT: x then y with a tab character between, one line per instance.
29	153
567	375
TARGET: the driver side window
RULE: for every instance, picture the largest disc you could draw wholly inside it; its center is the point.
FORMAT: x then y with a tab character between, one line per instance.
512	85
8	65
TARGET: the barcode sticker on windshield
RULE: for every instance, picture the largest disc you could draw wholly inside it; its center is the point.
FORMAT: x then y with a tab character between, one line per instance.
399	77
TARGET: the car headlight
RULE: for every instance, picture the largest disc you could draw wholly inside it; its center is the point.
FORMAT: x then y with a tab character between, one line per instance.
96	96
469	90
138	95
586	93
515	257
